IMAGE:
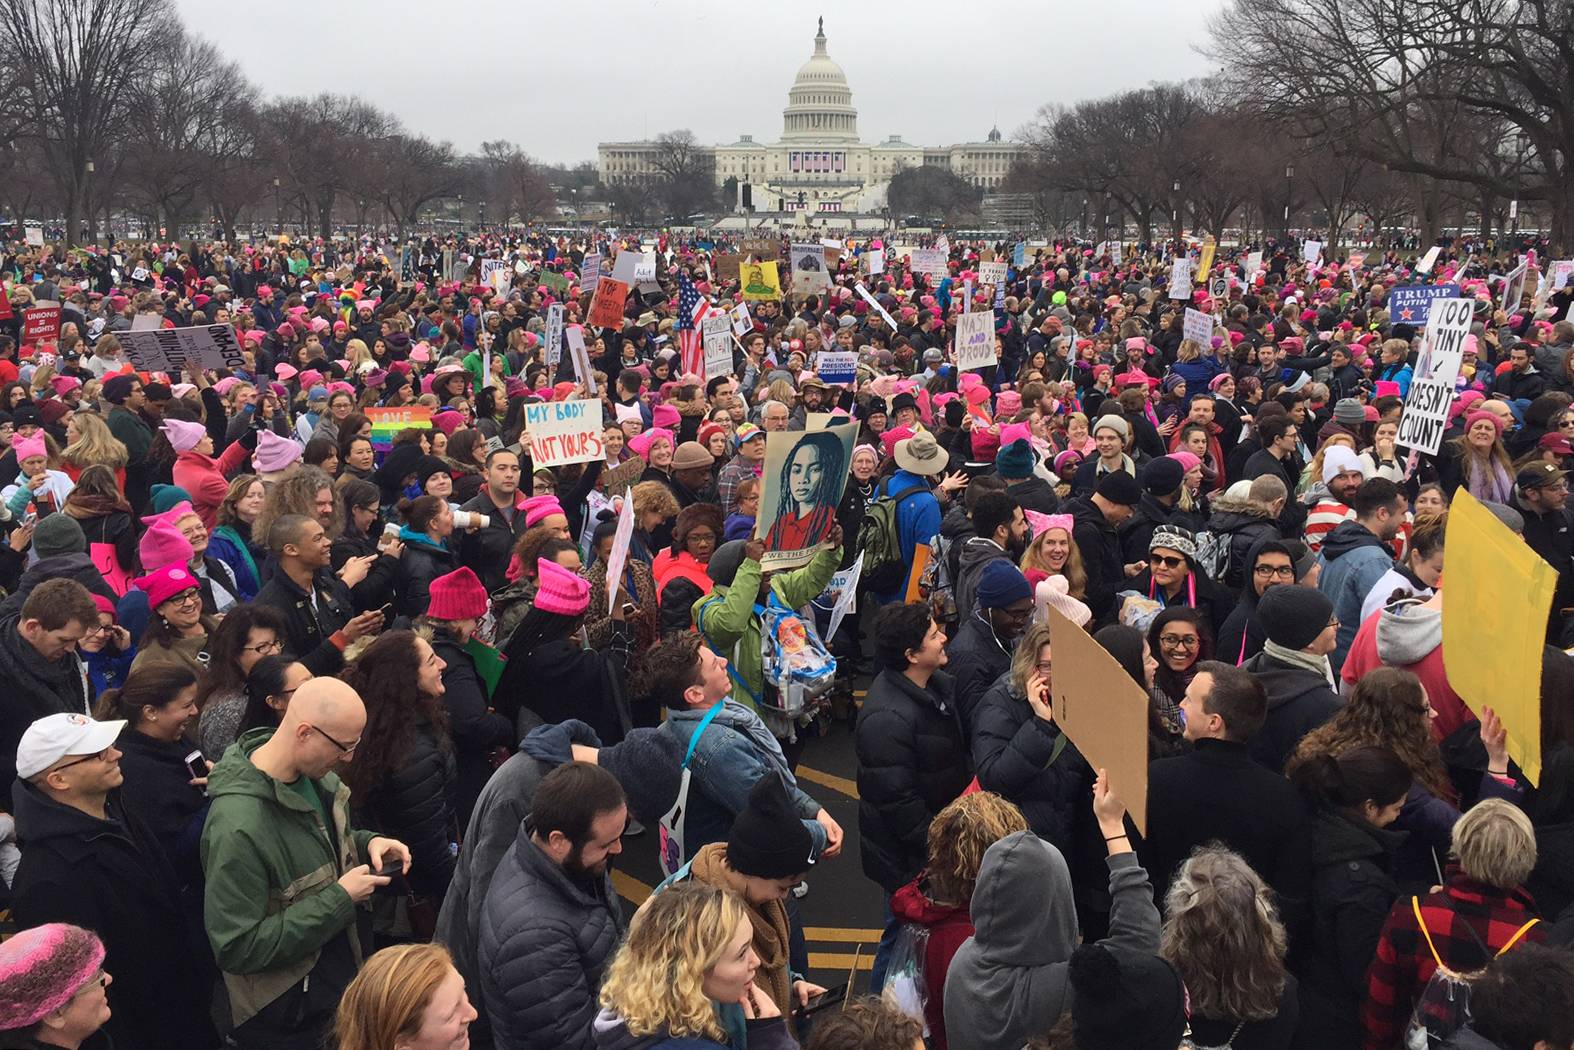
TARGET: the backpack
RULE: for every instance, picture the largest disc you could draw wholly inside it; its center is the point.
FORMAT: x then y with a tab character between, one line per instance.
793	659
879	539
1213	553
1444	1006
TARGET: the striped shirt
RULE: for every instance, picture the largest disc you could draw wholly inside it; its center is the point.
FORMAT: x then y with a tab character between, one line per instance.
1325	516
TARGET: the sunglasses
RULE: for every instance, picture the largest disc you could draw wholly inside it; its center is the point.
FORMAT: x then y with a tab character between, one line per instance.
1168	561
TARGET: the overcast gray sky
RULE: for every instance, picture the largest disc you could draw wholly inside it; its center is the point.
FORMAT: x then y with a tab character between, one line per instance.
559	77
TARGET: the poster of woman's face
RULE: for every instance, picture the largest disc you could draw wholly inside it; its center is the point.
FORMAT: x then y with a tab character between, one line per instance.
804	477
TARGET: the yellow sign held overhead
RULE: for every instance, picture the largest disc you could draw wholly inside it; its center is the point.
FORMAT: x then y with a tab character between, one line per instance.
760	281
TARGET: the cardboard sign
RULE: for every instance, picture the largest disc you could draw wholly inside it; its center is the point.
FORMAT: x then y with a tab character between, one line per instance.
727	264
763	249
1198	327
1498	596
1409	303
1429	260
716	332
931	261
1205	260
760	281
214	346
838	366
590	272
606	306
40	324
808	269
802	484
619	555
992	273
554	334
1102	711
1180	278
645	267
581	357
975	341
564	432
742	322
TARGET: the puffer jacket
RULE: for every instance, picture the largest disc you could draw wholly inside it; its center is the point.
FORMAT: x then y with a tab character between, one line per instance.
475	728
912	762
1353	559
545	942
1027	760
422	562
415	804
976	656
1245	523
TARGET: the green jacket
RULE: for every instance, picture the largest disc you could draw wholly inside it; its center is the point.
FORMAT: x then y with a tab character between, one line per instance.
733	630
272	898
472	363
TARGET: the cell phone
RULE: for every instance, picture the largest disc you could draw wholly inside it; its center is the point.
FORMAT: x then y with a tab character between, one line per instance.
196	764
392	866
828	998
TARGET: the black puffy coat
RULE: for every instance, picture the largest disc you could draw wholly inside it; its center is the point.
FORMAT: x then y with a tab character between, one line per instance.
419	565
912	762
545	940
415	804
1099	546
1244	524
475	728
377	589
488	550
974	660
159	792
1028	761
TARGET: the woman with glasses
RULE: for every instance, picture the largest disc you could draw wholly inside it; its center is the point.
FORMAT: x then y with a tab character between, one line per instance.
1270	563
245	636
1180	638
1173	577
107	649
178	629
53	984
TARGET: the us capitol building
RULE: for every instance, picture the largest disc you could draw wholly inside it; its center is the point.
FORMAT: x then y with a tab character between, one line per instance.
819	167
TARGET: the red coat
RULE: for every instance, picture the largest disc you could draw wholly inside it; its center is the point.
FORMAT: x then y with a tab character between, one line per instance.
948	925
1215	460
668	567
203	478
1363	657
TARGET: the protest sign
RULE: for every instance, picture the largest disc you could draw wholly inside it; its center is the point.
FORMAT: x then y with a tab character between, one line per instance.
716	333
1514	287
742	323
1498	596
41	324
1180	278
804	477
1561	272
606	306
564	432
1429	260
837	366
975	341
490	268
1019	254
817	420
1115	250
1253	264
727	264
843	594
992	273
760	281
581	357
645	267
875	305
1356	260
35	236
1311	251
1205	260
1102	711
554	334
808	269
1198	327
874	261
619	554
1409	303
626	265
215	346
388	422
590	271
554	280
929	261
764	249
1425	415
1431	392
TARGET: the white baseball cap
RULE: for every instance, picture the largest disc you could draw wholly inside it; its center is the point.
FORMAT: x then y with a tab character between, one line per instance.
53	737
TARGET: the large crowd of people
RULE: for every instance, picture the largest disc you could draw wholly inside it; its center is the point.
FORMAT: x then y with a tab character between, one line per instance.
321	730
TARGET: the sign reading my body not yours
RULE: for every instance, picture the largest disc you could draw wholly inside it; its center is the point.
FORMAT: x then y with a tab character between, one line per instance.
564	432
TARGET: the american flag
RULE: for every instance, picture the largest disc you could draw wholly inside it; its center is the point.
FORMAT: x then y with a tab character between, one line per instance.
692	309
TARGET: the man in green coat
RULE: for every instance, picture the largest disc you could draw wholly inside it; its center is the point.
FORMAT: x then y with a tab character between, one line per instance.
727	621
124	392
285	871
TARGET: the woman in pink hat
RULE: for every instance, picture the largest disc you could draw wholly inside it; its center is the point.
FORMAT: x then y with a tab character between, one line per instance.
178	630
197	471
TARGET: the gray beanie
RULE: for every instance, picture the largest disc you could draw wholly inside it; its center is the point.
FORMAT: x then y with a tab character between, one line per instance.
58	534
724	562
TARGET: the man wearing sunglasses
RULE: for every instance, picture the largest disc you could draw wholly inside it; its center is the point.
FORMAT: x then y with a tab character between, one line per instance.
91	863
285	870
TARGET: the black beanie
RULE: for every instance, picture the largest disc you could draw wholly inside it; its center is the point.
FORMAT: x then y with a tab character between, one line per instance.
1121	488
118	387
1162	476
768	839
954	412
1293	615
1125	1000
724	562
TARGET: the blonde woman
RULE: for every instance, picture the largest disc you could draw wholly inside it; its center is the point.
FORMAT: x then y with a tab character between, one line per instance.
357	353
89	443
408	997
686	972
1052	552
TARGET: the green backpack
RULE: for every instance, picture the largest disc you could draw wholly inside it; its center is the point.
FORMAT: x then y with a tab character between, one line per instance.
879	539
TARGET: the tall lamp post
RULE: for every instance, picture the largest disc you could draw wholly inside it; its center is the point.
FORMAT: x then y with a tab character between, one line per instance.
1175	212
1289	176
278	206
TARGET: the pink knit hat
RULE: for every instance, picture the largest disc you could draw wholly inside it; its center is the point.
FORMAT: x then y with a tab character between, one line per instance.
28	447
1007	403
163	584
183	435
559	590
539	508
163	544
641	443
1188	460
665	417
457	595
274	453
1010	432
42	969
63	385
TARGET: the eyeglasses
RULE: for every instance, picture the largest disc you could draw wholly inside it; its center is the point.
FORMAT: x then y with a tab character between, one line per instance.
99	757
1179	641
191	597
103	628
1169	561
1285	572
346	748
1043	667
265	649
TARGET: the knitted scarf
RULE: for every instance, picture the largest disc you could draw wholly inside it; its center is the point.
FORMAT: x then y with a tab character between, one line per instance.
1298	658
769	921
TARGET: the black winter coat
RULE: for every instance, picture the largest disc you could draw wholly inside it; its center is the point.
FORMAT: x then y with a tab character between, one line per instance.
475	728
1137	531
158	792
33	689
415	804
377	589
1099	546
912	762
1299	701
1244	525
545	940
308	630
110	876
1028	761
1034	494
1353	889
487	551
419	565
975	660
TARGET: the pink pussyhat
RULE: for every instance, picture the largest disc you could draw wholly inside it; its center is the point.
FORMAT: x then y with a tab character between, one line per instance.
560	591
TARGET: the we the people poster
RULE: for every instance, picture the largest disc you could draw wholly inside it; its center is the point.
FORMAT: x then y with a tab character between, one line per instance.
805	475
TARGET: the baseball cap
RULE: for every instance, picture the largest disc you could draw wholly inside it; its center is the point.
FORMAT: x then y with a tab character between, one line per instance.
53	737
1556	443
1537	475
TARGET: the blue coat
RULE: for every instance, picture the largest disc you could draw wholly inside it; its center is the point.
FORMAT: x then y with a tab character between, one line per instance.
1353	559
917	520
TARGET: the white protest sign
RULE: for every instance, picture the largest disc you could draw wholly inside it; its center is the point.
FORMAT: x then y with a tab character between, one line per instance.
645	268
844	586
837	366
35	236
214	346
1429	260
716	332
1114	253
554	334
1431	392
1311	251
808	268
992	273
1199	328
1180	278
139	274
490	268
581	358
626	265
742	323
620	548
875	261
930	261
975	340
875	304
564	432
1253	264
1514	287
590	272
1562	270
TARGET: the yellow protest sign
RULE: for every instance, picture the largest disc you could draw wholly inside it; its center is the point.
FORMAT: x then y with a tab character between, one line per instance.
1496	596
760	280
1205	262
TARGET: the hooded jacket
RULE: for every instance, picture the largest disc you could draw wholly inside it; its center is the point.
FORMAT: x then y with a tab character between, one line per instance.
423	561
1352	558
281	926
976	552
1409	635
1299	700
1136	532
947	926
78	567
1008	982
34	688
1024	759
976	657
1099	546
1246	523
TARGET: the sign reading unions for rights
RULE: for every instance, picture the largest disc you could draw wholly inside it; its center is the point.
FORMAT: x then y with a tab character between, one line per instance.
564	432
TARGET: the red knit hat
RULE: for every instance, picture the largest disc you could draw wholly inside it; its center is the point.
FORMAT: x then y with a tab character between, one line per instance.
457	595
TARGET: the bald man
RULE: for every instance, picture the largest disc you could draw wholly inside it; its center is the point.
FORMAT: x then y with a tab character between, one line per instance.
285	871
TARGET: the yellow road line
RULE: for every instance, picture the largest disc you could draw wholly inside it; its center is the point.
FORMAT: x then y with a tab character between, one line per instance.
840	961
835	783
835	933
631	889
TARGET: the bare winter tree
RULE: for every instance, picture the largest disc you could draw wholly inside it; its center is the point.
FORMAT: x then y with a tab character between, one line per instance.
324	147
686	182
518	183
412	170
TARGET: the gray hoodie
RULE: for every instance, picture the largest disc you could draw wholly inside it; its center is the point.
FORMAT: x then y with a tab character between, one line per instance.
1406	633
1008	982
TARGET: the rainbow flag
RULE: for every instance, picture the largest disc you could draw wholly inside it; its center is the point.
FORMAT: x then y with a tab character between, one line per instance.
387	422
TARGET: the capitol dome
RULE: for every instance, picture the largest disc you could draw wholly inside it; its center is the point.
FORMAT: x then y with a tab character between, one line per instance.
820	104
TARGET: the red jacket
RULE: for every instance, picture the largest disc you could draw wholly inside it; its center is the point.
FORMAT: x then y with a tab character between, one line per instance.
1215	460
203	478
948	925
669	567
